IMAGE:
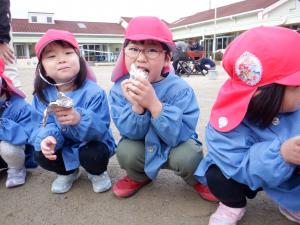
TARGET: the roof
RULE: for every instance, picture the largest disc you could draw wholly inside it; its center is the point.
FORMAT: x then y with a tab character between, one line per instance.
23	25
223	11
127	19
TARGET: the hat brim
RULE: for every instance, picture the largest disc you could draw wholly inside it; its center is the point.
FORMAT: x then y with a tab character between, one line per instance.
49	41
140	37
233	99
231	105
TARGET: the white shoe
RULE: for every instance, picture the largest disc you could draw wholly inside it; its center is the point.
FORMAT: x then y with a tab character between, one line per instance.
15	177
225	215
63	183
293	216
100	182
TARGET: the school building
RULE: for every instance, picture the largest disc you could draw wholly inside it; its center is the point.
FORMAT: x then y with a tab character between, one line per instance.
214	29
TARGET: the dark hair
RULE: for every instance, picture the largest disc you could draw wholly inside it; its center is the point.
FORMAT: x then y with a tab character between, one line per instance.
4	89
264	106
39	84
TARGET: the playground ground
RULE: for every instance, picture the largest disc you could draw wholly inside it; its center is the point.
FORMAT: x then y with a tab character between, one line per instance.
166	201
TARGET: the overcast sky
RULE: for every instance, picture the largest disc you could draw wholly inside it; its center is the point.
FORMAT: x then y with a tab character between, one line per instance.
112	10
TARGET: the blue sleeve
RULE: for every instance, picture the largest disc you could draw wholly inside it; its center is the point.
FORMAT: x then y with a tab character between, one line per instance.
94	120
129	123
16	126
244	158
51	128
178	119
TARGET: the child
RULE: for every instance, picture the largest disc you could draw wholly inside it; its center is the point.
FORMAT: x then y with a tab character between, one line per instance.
15	129
74	136
156	116
253	135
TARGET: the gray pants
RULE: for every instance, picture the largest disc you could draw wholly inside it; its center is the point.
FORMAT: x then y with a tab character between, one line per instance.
13	155
183	159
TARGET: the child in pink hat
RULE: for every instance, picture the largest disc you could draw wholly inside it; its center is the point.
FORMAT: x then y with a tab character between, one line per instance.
16	126
155	111
253	136
77	135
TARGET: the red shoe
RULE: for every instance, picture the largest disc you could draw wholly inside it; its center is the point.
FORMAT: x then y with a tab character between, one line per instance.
205	193
127	187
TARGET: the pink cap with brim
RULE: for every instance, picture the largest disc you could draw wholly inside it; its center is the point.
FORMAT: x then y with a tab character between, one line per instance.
60	35
258	57
10	86
54	35
144	28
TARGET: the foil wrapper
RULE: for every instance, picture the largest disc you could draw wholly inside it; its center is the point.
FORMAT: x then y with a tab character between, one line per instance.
61	101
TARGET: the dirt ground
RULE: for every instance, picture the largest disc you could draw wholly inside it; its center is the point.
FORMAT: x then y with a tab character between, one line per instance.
166	201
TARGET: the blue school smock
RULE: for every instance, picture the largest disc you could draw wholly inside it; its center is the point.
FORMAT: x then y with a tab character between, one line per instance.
91	103
251	156
16	123
175	124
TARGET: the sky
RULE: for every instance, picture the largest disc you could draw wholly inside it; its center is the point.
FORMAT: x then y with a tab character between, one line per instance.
112	10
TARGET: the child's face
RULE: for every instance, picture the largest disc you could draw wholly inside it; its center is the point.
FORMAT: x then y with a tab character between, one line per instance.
291	99
61	63
148	56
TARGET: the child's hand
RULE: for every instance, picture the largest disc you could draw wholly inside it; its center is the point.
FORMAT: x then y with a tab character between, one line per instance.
6	53
290	150
47	147
144	94
127	94
67	116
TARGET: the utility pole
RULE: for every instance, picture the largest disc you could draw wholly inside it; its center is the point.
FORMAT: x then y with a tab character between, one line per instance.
215	30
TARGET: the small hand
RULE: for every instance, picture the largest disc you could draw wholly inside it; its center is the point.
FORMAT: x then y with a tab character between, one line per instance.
128	95
47	147
290	150
6	53
66	116
144	94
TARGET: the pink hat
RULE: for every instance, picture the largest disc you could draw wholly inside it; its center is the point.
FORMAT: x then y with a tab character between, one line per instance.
258	57
144	28
10	86
54	35
61	35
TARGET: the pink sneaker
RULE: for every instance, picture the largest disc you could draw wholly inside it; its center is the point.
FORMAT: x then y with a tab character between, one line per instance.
225	215
293	216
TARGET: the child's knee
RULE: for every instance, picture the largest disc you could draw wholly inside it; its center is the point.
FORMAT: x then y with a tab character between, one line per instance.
186	163
11	151
126	158
39	157
129	153
189	164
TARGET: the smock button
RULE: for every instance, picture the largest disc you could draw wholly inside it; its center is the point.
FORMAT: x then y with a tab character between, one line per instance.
275	121
222	121
150	149
63	129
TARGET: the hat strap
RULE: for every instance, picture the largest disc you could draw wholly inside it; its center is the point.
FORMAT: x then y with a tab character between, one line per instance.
56	85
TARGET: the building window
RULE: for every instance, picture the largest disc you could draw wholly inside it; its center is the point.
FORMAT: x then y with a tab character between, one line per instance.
81	25
33	19
96	53
20	51
49	19
222	42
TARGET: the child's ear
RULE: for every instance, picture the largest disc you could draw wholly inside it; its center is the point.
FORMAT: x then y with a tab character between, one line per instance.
167	60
